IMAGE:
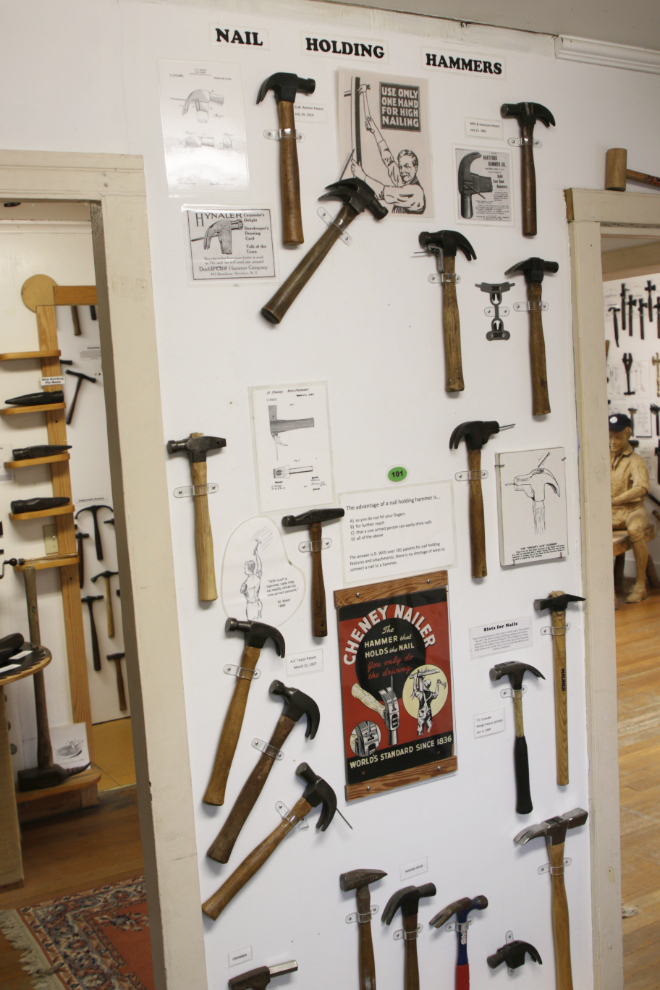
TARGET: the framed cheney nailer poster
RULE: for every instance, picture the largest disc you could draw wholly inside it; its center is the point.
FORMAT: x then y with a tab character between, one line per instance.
396	684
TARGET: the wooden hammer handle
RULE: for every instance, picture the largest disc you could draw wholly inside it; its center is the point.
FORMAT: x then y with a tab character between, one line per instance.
451	329
110	614
44	747
121	693
648	180
561	718
221	847
219	901
540	397
411	966
207	590
528	174
231	730
292	231
477	525
560	923
319	617
366	961
276	307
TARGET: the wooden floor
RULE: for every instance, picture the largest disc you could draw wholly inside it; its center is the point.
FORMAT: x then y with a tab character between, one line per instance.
113	753
638	676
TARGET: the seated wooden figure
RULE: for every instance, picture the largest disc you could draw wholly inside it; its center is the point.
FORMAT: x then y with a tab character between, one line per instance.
630	486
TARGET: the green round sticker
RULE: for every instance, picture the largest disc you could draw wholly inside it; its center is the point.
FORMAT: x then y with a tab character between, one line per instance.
397	474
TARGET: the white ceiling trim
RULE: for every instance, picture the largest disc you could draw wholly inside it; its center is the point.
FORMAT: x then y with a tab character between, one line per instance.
604	53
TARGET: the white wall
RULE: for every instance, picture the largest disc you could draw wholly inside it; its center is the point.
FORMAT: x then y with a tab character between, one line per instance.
82	76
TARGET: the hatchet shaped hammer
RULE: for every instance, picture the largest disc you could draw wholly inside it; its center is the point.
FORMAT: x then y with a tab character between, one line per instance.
357	197
528	114
285	85
315	519
318	792
296	704
554	831
461	909
256	634
534	269
444	244
557	602
407	899
515	672
359	881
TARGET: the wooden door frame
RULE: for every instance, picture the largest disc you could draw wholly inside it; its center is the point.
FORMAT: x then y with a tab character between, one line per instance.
114	186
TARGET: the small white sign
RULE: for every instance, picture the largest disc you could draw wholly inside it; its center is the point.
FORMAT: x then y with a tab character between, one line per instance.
464	62
489	723
6	454
310	113
90	354
240	956
242	38
304	663
412	869
483	128
53	380
228	243
500	637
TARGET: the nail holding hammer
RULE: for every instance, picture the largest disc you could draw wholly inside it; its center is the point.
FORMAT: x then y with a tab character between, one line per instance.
359	881
534	270
315	519
527	114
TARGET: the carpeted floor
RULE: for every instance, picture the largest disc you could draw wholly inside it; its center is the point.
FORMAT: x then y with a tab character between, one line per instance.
97	938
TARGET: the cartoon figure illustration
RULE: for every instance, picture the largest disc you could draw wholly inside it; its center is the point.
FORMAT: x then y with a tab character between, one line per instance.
422	691
533	485
252	585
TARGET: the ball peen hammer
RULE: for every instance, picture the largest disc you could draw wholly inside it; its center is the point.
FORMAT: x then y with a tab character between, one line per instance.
407	899
315	519
527	115
554	831
534	269
461	909
296	704
557	602
89	600
285	85
197	446
359	881
111	619
444	244
259	978
476	433
94	509
516	672
256	634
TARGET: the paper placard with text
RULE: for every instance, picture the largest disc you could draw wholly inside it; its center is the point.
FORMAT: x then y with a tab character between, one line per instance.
531	505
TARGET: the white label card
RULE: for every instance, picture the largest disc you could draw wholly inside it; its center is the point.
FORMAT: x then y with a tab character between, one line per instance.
489	723
420	865
304	663
6	454
500	637
310	113
475	126
240	956
53	380
226	243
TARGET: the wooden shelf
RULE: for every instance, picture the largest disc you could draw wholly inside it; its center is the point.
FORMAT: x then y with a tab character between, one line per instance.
74	295
33	461
31	409
28	355
59	510
85	779
43	563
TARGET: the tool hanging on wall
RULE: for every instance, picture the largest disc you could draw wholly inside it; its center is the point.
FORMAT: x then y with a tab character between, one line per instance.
77	332
36	399
444	244
471	184
513	953
623	305
314	519
657	308
557	603
650	288
496	310
197	446
407	901
617	171
258	979
656	412
89	600
655	360
461	909
516	672
534	270
111	619
117	658
357	197
79	375
554	831
614	310
631	307
527	115
256	635
318	792
296	704
80	536
476	433
95	509
641	306
359	881
627	364
285	86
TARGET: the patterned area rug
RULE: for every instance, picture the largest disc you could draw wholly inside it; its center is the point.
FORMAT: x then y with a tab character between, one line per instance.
96	940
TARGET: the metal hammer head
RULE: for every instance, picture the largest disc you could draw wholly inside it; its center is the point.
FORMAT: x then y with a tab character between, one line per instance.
311	517
91	598
79	375
258	979
513	954
196	447
104	574
355	879
462	906
318	791
285	85
528	113
297	704
447	242
408	900
556	602
554	829
475	433
514	671
471	182
256	634
358	195
533	269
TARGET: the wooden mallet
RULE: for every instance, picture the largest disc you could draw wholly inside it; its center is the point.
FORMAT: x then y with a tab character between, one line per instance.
617	172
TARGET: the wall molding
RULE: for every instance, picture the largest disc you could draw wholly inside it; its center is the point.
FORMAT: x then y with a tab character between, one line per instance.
604	53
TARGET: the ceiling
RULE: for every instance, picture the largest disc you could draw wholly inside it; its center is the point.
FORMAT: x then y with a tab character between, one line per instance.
634	23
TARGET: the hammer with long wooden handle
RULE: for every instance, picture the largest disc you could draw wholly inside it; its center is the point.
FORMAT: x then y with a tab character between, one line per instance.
285	85
554	831
617	172
318	791
315	519
296	704
359	881
407	899
89	600
557	602
444	244
534	269
197	447
527	115
110	615
256	634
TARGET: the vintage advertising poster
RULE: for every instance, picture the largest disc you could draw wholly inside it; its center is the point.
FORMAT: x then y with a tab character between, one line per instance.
396	683
384	139
483	186
201	106
227	243
531	505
